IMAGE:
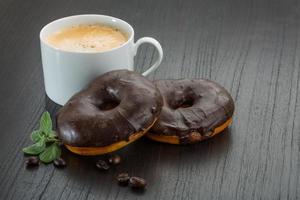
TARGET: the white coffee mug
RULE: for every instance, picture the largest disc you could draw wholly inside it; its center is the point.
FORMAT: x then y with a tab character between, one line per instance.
66	72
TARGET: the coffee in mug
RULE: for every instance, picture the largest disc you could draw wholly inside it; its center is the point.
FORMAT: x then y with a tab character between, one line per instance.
87	38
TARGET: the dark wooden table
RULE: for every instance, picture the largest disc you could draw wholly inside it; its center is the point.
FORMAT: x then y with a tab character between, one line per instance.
249	46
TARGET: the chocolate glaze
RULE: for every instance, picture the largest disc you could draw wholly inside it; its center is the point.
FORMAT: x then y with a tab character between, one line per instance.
113	107
192	106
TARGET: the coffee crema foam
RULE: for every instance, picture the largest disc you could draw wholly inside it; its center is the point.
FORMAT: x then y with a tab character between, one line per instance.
87	38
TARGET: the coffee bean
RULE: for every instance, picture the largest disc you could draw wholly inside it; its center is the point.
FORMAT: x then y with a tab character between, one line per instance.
137	182
115	159
32	161
102	165
59	163
123	179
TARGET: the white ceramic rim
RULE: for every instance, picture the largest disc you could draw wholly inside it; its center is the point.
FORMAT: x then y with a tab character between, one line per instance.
43	30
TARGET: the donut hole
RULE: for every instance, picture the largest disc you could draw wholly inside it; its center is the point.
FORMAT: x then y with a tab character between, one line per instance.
187	103
108	99
182	97
184	103
108	104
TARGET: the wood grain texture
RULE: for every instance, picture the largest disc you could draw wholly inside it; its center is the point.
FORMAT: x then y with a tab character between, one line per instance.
251	47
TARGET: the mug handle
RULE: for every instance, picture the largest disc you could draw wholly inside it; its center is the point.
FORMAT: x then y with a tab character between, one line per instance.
157	45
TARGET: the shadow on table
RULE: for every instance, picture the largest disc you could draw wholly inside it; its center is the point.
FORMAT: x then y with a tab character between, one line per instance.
167	154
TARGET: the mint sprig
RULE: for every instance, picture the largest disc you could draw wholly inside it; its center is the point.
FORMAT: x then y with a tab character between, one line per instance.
45	141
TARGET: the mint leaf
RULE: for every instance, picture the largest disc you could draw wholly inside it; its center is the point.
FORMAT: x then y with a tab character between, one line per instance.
46	123
36	148
36	136
51	153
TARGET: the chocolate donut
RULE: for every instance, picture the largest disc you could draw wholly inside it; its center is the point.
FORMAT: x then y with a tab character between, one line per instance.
117	108
193	110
